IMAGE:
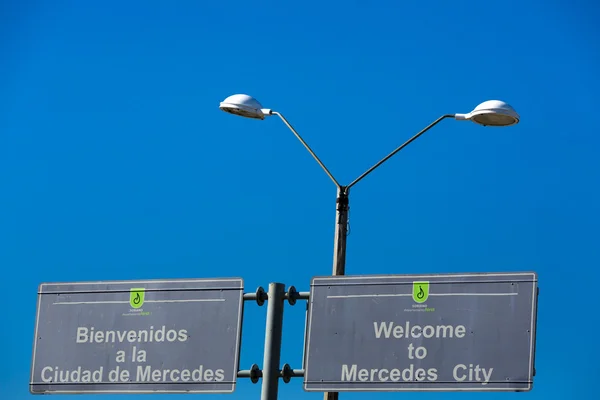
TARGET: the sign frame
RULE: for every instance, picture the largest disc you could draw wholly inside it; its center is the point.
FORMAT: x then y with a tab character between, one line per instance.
317	384
136	293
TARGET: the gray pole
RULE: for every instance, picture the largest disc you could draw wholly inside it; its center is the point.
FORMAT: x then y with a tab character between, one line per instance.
273	334
339	247
341	231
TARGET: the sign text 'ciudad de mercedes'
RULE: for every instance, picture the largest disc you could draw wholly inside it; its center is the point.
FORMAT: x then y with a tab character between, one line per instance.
137	336
449	332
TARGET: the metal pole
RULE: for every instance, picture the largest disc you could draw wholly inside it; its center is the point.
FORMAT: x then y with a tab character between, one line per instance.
273	334
397	149
307	147
339	247
341	232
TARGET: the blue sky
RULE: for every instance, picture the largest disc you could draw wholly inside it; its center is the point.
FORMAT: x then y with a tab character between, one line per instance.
116	162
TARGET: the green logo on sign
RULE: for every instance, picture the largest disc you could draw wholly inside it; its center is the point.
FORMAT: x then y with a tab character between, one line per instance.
420	291
136	297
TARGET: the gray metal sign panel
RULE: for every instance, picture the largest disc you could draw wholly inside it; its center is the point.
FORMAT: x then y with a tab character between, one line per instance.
452	332
150	336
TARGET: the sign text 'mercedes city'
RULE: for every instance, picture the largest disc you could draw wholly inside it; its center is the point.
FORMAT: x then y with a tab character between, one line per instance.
389	330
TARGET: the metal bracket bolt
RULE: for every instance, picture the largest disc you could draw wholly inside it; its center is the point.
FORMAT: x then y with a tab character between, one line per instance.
255	373
261	296
292	295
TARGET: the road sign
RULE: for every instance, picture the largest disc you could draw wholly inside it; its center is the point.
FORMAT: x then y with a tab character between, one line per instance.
150	336
454	332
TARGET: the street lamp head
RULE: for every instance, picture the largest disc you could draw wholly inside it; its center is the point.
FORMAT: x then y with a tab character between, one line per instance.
492	113
243	105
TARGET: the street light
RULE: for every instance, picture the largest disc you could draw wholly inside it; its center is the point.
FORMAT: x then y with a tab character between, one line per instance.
492	113
488	113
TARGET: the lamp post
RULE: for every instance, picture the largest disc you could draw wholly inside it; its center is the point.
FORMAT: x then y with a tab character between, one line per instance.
488	113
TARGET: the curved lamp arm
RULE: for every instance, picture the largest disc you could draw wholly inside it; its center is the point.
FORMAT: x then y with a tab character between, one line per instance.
271	112
367	172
